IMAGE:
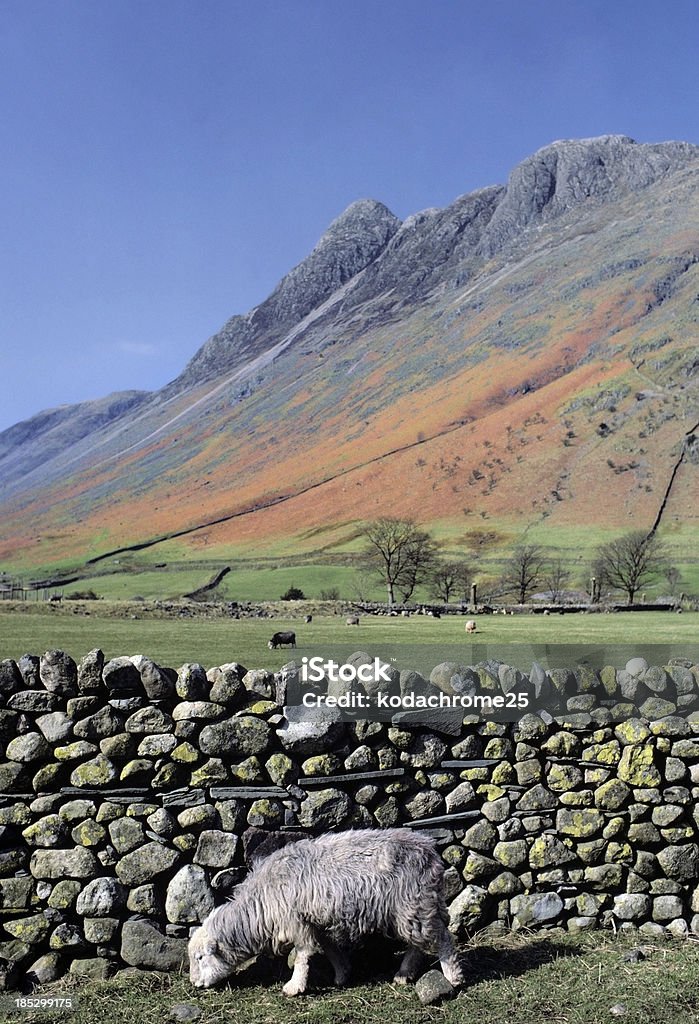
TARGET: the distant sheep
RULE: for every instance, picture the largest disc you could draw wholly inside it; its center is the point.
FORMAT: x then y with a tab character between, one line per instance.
324	894
471	626
308	618
282	640
352	620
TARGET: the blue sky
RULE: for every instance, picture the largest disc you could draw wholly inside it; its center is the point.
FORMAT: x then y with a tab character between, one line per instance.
165	162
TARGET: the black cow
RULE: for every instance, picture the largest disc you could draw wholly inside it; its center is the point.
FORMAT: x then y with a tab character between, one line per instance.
281	640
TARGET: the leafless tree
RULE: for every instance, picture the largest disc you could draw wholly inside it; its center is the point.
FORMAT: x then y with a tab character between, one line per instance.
525	570
450	577
629	562
556	579
401	553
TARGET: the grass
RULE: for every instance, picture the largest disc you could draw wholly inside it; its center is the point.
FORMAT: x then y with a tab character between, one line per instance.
173	641
554	978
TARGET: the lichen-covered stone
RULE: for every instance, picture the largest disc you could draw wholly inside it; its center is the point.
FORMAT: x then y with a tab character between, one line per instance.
235	738
142	945
466	912
532	909
76	863
146	863
28	748
97	772
102	897
189	897
680	862
149	720
59	673
549	851
88	833
266	813
637	766
324	808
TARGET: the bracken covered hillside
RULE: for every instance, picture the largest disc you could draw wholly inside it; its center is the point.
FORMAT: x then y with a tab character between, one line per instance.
527	354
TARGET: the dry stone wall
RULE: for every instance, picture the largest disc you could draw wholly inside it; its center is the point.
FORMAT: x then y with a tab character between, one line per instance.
127	792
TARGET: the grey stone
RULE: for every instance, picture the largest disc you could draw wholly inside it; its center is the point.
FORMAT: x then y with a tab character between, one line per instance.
76	863
121	677
680	862
192	683
536	908
309	731
189	897
631	906
149	720
28	748
235	738
216	849
143	899
142	945
45	970
667	908
466	912
461	798
55	726
146	863
102	897
59	673
100	930
90	672
324	808
156	682
433	988
227	686
105	722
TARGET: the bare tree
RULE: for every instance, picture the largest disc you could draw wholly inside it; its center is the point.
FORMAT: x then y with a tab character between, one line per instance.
629	562
525	570
450	577
556	578
402	554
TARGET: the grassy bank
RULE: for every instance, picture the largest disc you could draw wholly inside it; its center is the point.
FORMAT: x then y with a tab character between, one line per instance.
551	979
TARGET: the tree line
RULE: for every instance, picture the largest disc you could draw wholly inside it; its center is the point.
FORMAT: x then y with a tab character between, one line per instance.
404	556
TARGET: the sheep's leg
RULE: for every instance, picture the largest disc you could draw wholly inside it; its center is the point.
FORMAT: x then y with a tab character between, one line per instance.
409	966
339	961
449	959
296	985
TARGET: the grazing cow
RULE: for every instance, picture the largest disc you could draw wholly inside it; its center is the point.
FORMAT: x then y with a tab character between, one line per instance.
352	620
325	894
471	626
282	640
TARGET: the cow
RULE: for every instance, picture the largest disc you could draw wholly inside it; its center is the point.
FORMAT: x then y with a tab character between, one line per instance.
282	640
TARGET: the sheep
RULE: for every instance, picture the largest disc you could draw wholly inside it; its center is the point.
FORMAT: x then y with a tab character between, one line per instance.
308	618
352	620
471	626
325	894
280	639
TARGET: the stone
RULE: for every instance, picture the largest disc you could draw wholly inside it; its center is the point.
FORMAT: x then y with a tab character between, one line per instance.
631	906
466	912
55	726
266	813
156	682
667	908
45	970
425	751
121	677
216	849
195	710
101	930
637	766
680	863
189	897
143	899
77	751
90	672
537	798
146	863
88	833
51	830
235	738
30	930
67	936
76	863
324	809
426	803
461	798
126	834
28	748
149	720
227	686
612	795
59	673
105	722
102	897
64	894
433	988
142	945
535	908
192	683
156	746
97	772
309	731
548	851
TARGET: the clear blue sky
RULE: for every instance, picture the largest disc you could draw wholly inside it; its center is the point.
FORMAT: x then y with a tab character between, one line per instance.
165	162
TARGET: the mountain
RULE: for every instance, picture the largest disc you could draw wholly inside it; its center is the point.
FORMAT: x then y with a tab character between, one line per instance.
526	355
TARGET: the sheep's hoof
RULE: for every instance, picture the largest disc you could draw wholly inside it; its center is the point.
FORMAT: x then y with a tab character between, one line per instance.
401	979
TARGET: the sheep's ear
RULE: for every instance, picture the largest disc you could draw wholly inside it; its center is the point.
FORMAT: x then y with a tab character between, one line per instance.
211	947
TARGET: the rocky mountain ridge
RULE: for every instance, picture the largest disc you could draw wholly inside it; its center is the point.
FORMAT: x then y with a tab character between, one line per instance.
399	306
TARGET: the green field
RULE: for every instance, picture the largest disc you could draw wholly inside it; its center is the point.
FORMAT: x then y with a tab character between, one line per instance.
550	979
174	641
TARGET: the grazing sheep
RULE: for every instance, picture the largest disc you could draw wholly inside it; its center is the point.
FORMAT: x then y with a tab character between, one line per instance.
471	626
325	894
352	620
281	639
308	618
